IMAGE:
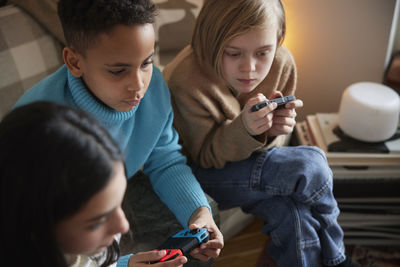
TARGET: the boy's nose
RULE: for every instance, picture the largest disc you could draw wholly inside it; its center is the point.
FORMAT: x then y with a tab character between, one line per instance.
136	82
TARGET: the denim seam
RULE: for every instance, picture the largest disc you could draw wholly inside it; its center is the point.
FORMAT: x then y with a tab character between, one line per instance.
255	178
277	191
297	232
313	198
318	193
337	260
318	151
309	243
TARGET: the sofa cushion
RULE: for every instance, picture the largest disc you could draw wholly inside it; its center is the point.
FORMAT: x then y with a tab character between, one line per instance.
173	25
45	12
28	53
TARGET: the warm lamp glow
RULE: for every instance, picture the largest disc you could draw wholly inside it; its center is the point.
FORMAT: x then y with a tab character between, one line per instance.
290	37
335	44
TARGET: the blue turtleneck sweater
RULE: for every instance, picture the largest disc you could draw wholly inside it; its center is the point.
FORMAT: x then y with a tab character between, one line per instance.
144	134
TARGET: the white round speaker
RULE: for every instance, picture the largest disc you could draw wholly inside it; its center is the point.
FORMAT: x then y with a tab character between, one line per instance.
369	111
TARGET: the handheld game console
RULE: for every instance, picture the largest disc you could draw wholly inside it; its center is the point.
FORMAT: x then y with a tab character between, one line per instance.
182	243
280	101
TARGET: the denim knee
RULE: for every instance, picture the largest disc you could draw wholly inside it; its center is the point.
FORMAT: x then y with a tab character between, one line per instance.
301	172
316	174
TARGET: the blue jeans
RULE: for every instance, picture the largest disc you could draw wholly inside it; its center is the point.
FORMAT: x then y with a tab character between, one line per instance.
290	188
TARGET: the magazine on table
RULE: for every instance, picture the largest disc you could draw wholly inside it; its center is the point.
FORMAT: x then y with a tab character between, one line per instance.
309	132
336	140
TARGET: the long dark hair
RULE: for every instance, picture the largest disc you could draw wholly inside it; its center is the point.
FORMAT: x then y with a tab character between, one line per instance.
53	159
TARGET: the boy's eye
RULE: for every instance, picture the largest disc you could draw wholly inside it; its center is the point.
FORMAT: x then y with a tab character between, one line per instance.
116	72
147	63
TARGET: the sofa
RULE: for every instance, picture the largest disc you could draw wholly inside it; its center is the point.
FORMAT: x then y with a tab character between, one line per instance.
31	41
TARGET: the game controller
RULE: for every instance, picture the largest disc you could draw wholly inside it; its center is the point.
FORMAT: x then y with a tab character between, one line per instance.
280	101
170	255
182	243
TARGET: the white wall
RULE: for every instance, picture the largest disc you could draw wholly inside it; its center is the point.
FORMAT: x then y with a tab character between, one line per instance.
336	43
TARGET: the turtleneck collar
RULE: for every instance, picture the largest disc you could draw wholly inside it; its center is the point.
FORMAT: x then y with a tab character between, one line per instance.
84	99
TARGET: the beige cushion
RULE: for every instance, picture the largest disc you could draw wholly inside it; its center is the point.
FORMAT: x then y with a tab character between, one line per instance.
45	12
173	26
28	53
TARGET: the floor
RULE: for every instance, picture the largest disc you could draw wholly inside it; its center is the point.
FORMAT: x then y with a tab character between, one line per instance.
244	249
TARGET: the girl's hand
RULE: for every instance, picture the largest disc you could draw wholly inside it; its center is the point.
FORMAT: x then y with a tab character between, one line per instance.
284	118
211	249
142	259
260	121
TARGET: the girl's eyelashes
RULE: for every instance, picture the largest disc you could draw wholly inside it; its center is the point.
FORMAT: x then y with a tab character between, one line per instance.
97	225
116	72
232	54
263	53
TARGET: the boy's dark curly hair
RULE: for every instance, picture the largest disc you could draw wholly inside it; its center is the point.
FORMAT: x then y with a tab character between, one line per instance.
83	20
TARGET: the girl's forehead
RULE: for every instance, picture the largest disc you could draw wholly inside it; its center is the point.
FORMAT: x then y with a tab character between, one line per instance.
258	36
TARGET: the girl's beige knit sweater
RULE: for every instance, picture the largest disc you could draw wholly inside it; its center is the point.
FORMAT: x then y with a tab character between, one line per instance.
208	114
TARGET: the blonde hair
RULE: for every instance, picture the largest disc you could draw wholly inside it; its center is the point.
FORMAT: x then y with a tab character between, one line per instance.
220	21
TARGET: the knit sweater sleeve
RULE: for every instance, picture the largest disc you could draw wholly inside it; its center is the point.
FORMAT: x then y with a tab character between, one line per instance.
124	261
284	76
207	116
171	177
210	139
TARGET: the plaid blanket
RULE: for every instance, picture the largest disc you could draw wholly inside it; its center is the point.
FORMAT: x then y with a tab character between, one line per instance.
31	38
28	53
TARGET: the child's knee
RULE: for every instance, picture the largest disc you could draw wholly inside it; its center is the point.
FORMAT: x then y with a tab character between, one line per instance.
316	164
315	175
301	169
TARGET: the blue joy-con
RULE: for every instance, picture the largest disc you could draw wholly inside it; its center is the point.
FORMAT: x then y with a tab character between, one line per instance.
201	234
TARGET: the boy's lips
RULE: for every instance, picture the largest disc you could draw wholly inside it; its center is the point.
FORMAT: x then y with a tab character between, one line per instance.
132	103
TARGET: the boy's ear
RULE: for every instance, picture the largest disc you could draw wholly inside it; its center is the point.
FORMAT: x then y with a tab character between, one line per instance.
72	60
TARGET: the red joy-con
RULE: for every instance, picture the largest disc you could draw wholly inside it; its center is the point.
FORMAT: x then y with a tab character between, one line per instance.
171	254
